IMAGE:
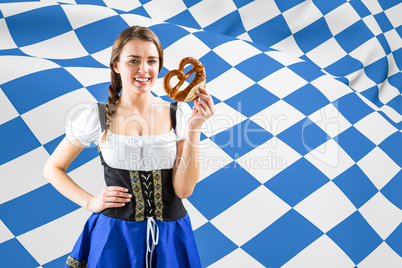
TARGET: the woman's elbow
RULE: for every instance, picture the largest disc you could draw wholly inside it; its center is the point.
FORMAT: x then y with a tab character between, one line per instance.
184	185
183	194
46	171
49	171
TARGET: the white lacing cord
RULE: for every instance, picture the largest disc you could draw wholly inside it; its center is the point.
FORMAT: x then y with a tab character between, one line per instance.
153	231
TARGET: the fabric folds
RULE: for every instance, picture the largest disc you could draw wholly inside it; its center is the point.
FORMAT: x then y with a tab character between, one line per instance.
107	242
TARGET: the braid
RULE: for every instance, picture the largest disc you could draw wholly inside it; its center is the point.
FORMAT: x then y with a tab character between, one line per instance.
110	106
114	90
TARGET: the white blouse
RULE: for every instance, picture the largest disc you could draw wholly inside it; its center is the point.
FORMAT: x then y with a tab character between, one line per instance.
147	152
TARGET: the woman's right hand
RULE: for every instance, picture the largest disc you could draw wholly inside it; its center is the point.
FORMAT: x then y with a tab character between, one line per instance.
110	197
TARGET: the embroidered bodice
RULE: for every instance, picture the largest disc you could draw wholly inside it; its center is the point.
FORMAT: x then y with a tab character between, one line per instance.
142	164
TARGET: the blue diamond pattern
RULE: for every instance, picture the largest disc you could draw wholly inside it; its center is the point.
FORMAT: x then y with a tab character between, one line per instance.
224	187
168	33
190	3
396	103
40	211
396	80
90	2
285	5
229	25
241	3
391	146
32	77
307	99
356	186
307	39
59	262
214	244
278	28
186	19
372	93
38	30
372	70
356	150
282	240
308	74
99	92
327	6
12	248
214	65
386	4
354	36
355	237
392	190
360	8
265	64
344	66
241	138
394	240
398	54
212	40
110	29
16	129
86	61
297	182
383	21
38	88
383	41
353	108
252	100
304	136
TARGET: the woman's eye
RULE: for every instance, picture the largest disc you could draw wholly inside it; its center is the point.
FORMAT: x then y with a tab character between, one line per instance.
152	62
133	61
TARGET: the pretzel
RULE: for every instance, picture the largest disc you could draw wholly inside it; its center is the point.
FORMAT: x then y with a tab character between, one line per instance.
187	94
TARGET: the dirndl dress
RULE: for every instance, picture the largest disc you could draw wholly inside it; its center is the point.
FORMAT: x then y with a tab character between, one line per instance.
154	229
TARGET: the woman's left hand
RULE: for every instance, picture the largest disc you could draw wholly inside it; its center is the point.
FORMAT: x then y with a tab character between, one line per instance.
203	108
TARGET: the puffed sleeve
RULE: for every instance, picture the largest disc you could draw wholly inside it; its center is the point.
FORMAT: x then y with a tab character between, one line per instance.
183	113
82	124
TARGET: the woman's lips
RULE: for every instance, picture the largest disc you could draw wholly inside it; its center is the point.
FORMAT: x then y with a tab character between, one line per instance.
142	80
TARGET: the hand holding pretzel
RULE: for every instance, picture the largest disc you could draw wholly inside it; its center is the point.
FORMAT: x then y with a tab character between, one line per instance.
187	94
203	108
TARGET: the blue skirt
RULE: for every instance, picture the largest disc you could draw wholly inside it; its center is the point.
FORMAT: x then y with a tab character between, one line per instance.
108	242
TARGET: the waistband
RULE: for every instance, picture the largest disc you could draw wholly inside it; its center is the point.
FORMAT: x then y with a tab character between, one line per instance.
152	191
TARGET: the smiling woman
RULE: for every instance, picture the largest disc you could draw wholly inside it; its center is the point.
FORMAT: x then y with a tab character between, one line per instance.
148	149
139	60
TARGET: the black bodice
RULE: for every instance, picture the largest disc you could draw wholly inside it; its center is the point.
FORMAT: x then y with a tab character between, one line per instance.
153	192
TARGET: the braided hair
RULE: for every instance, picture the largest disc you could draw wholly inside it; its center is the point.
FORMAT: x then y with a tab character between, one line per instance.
133	32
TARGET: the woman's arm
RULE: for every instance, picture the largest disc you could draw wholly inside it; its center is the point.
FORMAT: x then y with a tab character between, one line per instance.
55	172
187	167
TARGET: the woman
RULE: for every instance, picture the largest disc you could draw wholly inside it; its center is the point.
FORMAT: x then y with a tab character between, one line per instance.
148	149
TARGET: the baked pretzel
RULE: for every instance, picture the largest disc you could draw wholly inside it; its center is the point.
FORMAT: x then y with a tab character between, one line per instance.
187	94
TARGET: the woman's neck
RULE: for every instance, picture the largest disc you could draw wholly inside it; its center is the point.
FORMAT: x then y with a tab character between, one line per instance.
137	103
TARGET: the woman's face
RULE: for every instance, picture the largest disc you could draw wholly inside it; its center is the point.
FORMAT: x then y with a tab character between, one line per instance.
138	66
